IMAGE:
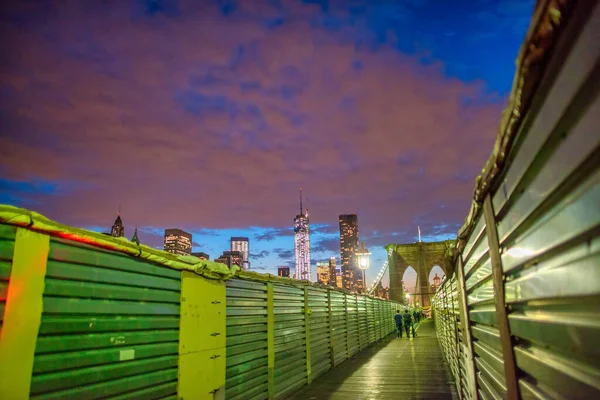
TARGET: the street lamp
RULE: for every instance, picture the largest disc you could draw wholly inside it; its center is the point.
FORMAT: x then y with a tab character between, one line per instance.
408	298
362	254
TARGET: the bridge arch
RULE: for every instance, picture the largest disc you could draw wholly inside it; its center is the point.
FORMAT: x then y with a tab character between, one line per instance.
422	256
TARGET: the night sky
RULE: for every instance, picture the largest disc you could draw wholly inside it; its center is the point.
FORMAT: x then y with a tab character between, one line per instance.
210	115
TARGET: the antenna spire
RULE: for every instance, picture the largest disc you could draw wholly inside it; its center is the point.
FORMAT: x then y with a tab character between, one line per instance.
419	228
119	213
300	201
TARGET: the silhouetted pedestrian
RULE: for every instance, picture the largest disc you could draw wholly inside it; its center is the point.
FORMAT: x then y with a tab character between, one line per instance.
398	319
408	324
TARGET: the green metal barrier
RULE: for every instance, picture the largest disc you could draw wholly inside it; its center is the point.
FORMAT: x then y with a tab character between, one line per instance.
283	333
89	316
519	318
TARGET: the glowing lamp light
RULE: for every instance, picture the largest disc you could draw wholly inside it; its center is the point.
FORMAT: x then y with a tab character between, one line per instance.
363	257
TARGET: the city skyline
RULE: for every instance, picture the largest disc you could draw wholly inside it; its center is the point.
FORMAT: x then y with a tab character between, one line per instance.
210	117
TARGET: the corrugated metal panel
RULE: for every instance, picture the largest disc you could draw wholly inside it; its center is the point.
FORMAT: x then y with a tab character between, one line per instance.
290	339
246	340
110	327
338	315
363	323
319	331
482	314
7	244
247	334
549	230
352	324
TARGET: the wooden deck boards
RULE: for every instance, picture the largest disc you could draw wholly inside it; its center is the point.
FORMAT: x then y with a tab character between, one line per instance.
396	368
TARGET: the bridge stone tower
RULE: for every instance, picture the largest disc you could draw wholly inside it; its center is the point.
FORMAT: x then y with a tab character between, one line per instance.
422	257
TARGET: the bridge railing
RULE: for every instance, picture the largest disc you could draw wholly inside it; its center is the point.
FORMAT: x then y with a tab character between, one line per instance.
85	315
283	333
519	317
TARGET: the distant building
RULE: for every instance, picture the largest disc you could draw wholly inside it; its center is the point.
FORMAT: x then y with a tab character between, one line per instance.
338	278
332	272
351	276
323	273
242	244
231	258
177	241
117	229
135	238
302	244
283	272
201	255
380	291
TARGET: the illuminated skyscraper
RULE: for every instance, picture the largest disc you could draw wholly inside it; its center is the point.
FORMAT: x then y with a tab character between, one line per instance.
177	241
241	244
332	272
351	276
323	273
302	243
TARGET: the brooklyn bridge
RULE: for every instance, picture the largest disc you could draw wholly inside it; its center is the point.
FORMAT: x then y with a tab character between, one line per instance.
88	316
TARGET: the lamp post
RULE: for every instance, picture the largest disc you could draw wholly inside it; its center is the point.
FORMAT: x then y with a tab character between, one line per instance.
363	262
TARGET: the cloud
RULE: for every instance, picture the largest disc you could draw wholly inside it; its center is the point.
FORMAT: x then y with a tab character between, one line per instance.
261	254
327	245
273	233
326	229
215	115
284	254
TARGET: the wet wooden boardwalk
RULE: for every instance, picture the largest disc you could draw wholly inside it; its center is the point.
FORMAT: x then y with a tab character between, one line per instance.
396	368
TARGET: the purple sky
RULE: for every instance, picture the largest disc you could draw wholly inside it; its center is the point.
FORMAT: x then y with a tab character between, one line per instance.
210	115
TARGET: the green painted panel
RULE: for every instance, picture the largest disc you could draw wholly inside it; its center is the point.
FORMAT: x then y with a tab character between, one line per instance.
5	267
71	252
79	359
110	327
98	306
113	387
95	290
58	269
51	344
8	232
97	324
65	379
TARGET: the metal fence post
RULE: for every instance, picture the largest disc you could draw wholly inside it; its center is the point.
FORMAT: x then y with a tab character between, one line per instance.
510	369
307	313
466	324
270	341
347	326
331	352
23	313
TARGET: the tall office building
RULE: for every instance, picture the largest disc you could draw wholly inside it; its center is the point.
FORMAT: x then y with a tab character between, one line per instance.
323	273
177	241
243	245
302	243
332	272
338	278
348	245
283	272
117	229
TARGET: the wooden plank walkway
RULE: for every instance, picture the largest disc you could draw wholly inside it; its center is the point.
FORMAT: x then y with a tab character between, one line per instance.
396	368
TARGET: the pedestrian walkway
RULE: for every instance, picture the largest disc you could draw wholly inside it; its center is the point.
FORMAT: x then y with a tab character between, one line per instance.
396	368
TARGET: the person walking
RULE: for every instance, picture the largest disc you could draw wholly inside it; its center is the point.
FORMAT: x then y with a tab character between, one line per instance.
398	319
408	324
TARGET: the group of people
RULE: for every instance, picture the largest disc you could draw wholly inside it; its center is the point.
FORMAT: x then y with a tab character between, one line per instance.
407	321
